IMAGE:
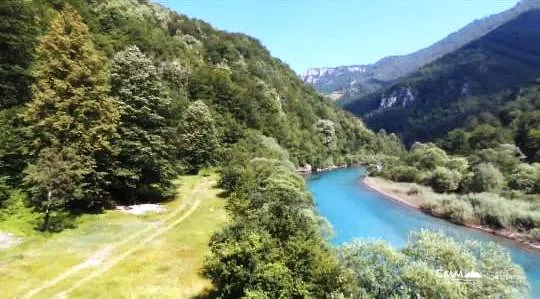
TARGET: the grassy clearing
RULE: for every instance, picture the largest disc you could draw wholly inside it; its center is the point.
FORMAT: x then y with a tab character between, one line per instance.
125	256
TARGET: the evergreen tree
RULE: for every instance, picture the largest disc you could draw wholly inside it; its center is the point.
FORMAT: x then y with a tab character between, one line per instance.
70	111
146	147
198	137
18	34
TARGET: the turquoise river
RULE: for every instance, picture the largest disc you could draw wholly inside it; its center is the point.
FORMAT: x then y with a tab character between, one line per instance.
357	212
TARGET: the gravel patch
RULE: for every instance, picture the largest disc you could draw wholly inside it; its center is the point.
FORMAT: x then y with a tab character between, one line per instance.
8	240
142	209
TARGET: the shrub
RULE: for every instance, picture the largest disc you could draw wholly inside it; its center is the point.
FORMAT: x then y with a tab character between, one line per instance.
490	209
486	178
407	174
523	219
498	212
450	207
383	272
230	177
414	190
459	164
445	180
523	178
427	156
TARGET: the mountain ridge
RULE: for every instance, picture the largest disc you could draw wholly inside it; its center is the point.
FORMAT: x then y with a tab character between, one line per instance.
351	84
483	82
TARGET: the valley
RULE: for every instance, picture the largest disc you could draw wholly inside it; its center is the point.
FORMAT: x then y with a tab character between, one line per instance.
154	149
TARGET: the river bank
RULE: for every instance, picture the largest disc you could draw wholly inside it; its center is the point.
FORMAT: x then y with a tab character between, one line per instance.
308	169
411	195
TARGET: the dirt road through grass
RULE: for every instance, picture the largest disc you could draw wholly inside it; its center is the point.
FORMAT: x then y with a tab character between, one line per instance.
139	248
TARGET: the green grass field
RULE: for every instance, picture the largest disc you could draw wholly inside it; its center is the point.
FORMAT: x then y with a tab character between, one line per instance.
118	255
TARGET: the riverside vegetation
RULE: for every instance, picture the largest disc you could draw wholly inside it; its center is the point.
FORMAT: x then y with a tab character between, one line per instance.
107	102
492	187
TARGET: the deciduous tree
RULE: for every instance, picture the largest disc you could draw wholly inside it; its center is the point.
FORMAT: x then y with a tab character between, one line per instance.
198	138
146	158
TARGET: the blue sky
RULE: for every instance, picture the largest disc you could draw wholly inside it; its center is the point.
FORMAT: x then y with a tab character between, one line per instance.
315	33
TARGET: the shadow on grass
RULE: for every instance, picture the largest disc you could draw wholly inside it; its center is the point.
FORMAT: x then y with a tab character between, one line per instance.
224	194
206	294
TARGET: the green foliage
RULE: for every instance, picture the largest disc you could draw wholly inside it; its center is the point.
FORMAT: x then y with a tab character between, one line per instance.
57	180
18	33
12	142
273	247
251	146
444	180
427	156
17	215
505	157
407	174
412	271
326	130
450	207
71	120
198	137
486	178
457	142
375	267
146	156
485	136
498	212
526	178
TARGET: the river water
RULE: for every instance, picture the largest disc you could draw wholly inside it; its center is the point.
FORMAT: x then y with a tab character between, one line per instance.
358	212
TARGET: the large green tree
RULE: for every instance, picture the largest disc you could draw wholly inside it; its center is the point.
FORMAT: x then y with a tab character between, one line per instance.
198	139
71	111
146	155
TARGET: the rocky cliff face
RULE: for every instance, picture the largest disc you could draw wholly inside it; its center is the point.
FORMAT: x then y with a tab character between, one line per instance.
400	97
326	75
348	81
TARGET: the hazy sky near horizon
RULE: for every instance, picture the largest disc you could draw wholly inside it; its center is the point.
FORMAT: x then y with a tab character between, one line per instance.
316	33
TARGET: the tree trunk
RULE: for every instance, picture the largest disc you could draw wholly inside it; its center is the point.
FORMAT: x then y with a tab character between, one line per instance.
47	213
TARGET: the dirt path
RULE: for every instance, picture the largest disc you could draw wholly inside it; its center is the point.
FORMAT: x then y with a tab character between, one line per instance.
102	254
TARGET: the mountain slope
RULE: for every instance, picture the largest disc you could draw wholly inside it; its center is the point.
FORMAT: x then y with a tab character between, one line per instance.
244	87
351	82
447	93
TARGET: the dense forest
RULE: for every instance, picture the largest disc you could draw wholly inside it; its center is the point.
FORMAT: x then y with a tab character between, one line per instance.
490	81
106	102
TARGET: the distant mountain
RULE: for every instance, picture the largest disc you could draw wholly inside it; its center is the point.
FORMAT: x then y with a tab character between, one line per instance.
482	82
350	82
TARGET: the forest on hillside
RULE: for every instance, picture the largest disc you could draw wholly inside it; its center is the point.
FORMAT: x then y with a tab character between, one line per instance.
115	98
491	81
